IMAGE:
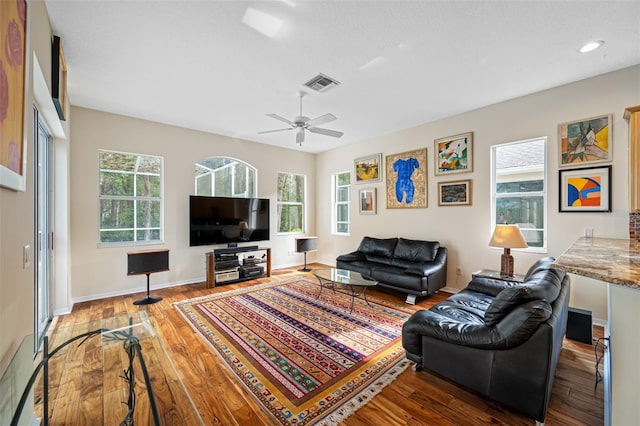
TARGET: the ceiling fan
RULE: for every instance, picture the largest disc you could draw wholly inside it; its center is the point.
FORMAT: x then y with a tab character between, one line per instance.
302	123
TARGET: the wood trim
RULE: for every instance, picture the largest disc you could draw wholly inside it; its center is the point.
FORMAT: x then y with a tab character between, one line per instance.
633	115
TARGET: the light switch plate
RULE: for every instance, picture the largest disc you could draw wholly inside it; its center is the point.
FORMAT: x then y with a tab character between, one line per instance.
26	256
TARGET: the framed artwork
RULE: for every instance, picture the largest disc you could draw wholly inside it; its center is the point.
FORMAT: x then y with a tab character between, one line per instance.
58	77
13	149
454	154
367	201
368	169
454	193
586	141
406	179
585	190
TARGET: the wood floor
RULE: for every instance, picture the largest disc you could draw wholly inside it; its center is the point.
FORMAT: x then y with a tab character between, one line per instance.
415	398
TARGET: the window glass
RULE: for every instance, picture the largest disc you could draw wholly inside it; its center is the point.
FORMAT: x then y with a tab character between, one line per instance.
519	188
341	198
225	177
291	199
130	198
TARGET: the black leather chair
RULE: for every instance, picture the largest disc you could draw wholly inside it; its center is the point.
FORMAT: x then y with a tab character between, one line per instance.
499	338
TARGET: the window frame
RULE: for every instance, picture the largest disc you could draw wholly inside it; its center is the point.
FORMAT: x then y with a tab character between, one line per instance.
544	192
134	198
290	203
335	205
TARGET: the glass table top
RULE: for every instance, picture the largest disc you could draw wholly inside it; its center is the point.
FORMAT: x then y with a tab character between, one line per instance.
343	276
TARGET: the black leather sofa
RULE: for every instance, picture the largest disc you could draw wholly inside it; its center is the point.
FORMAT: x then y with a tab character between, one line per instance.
499	338
415	267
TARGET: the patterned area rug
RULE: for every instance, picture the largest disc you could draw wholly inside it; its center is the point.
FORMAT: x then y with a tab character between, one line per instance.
304	360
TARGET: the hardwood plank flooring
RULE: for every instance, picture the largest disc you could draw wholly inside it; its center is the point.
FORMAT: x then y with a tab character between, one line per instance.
415	398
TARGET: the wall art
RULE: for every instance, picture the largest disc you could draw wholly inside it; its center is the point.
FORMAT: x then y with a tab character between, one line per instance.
406	179
58	77
454	193
367	201
13	27
586	141
368	169
454	154
585	190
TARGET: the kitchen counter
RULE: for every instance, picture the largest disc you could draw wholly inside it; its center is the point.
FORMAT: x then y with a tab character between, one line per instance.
616	261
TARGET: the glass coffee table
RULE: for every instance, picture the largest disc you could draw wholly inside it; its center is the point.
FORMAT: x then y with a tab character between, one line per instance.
351	280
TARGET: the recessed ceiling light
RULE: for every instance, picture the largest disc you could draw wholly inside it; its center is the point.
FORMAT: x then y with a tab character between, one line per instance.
262	22
590	47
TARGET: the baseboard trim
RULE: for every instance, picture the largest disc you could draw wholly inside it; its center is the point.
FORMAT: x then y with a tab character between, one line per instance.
134	290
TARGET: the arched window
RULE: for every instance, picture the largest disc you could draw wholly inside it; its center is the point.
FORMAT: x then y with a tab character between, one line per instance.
225	177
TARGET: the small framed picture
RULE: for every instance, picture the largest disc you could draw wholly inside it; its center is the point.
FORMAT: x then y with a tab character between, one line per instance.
454	154
367	169
585	190
454	193
367	201
586	141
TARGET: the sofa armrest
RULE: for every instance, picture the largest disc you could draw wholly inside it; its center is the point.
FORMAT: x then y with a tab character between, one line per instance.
423	270
351	257
490	286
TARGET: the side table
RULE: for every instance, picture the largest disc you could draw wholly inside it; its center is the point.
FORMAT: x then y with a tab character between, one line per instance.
493	274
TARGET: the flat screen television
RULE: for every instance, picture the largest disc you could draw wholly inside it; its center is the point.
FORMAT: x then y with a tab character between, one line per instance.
225	220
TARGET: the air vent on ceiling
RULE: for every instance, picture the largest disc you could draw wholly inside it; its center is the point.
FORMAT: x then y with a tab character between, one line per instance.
321	83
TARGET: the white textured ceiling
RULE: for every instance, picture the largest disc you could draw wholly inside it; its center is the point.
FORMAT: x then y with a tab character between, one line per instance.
195	64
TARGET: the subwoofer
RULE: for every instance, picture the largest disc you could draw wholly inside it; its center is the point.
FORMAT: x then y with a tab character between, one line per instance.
580	325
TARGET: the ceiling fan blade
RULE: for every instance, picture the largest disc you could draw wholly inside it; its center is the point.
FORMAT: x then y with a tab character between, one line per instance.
325	132
277	130
321	120
278	117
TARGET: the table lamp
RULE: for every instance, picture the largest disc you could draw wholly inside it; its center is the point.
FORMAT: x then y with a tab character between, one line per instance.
507	237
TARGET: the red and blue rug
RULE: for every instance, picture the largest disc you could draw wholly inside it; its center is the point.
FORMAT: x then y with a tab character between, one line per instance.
304	360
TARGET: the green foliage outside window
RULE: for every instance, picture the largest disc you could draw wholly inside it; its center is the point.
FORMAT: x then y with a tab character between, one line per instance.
291	198
130	198
342	192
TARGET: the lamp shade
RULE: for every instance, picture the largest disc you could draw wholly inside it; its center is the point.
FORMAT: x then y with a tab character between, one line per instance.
507	236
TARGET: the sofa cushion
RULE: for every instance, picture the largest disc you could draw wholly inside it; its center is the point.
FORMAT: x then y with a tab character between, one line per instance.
505	301
416	251
378	247
543	284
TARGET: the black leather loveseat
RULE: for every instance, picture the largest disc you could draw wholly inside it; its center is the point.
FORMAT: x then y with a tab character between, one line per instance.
415	267
499	338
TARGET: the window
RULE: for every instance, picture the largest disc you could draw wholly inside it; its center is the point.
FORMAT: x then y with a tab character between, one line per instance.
341	191
291	199
130	198
225	177
519	188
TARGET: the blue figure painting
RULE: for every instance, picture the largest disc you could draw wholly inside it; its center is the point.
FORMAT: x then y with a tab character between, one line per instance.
405	187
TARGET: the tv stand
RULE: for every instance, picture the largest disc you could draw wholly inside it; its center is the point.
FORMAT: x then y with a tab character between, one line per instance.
253	266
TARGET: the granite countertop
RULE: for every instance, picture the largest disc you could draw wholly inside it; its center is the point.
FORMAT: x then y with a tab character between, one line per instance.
613	260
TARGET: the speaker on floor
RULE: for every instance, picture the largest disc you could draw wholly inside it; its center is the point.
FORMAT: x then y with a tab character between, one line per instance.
580	325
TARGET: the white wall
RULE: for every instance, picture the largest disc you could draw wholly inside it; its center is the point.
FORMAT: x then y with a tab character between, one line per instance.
466	230
98	272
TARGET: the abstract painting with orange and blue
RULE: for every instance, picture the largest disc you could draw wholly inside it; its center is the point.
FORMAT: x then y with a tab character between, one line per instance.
584	191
